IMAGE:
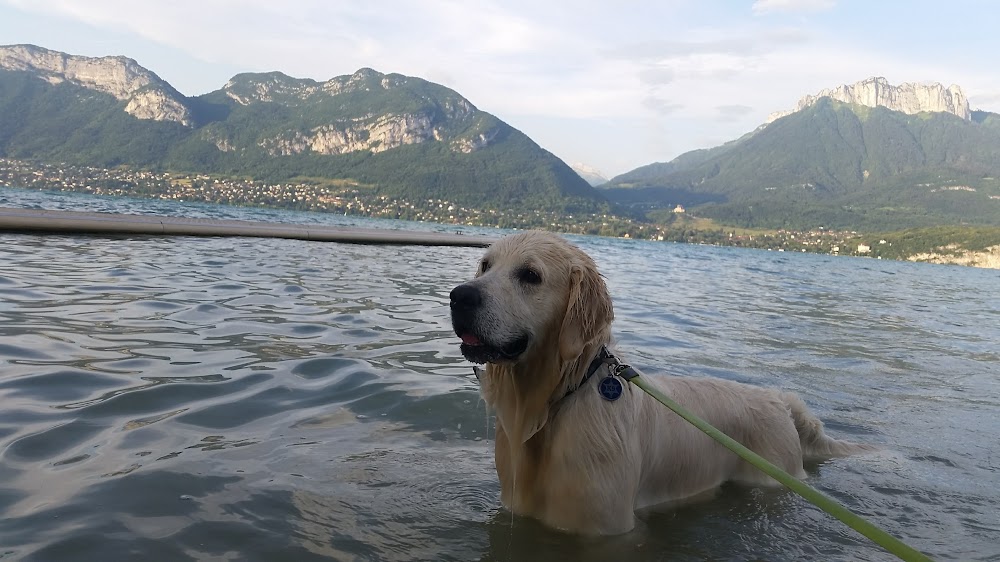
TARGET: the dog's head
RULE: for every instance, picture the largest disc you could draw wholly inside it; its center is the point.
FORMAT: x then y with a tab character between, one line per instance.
533	292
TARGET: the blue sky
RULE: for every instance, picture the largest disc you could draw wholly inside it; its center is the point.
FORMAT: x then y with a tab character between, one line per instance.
614	85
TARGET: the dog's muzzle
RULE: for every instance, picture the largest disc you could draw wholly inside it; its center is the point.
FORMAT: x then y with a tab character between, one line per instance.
466	305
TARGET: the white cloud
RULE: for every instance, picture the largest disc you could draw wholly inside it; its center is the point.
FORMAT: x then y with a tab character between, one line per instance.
986	102
656	75
660	105
733	112
718	41
769	6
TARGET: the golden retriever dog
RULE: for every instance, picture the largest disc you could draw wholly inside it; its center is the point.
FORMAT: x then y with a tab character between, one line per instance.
537	314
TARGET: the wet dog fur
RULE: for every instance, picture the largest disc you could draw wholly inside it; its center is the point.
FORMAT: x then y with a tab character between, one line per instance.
537	313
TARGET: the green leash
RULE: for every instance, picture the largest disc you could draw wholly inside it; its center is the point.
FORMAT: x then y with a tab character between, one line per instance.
819	499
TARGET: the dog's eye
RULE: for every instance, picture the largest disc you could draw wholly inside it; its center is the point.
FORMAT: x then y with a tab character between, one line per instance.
484	266
530	276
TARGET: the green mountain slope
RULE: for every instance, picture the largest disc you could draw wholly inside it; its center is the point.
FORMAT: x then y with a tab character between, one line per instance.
67	123
838	165
400	135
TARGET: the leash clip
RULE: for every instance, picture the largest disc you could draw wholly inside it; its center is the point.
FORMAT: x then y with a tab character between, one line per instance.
617	368
610	387
625	371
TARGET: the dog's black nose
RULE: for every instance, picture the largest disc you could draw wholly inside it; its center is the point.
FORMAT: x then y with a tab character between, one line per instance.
465	297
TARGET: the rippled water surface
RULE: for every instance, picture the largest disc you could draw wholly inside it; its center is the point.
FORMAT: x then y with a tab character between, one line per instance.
258	399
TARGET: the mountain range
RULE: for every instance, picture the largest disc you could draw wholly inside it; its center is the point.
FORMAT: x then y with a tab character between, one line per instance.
399	135
867	156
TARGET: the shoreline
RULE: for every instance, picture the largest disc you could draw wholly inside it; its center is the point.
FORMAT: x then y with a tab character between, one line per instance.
40	221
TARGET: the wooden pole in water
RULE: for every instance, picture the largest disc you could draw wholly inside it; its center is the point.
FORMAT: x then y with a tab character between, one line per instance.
77	222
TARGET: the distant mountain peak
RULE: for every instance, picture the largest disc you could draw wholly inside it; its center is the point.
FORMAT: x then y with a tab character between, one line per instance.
146	95
250	87
367	73
593	176
908	97
854	157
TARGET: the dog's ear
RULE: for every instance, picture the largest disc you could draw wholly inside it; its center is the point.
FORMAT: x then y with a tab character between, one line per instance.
588	311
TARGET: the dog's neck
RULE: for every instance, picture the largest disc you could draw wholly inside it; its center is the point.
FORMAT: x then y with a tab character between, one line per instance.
523	394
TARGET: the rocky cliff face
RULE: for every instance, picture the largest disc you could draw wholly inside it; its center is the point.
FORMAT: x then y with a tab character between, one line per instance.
908	97
249	88
354	128
376	134
953	254
145	94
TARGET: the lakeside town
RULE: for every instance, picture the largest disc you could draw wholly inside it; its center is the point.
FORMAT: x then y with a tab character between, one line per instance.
350	198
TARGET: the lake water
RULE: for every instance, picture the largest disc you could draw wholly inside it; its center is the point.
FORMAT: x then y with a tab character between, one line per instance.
264	399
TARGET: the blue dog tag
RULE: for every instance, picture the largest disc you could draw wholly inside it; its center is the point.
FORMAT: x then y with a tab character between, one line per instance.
610	388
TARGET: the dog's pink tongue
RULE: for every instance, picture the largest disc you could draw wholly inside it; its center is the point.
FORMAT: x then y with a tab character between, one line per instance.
469	339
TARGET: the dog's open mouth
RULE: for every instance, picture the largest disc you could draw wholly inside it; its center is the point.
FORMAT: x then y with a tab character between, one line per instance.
477	351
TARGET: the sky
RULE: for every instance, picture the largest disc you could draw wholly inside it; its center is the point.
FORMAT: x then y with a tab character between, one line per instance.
612	85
